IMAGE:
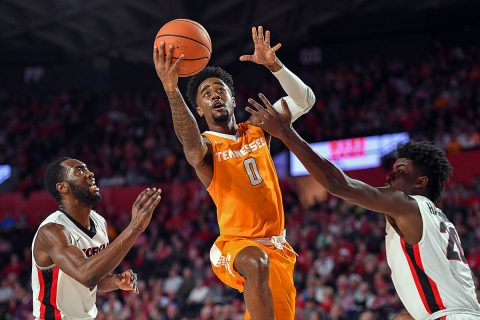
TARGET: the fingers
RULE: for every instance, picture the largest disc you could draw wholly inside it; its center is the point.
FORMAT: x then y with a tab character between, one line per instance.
146	198
168	62
159	54
260	34
266	102
155	54
267	37
153	201
251	111
276	47
175	65
254	119
258	106
246	58
141	197
254	35
127	274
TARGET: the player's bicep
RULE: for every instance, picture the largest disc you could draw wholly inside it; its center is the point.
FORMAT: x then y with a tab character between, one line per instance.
70	259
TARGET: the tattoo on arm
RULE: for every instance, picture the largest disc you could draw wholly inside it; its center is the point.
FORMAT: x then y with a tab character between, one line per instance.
184	122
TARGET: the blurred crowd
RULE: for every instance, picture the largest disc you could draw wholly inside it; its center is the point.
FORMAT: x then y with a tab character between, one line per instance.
341	270
128	138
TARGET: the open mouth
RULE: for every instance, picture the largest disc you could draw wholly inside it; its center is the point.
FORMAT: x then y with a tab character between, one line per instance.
92	186
217	105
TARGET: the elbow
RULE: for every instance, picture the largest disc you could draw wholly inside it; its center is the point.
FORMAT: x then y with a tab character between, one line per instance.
87	278
90	281
310	98
193	158
309	101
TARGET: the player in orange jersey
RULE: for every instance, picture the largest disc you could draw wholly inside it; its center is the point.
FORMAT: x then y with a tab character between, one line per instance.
233	161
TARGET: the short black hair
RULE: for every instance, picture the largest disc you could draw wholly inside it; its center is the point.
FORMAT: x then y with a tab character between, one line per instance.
430	161
54	174
208	72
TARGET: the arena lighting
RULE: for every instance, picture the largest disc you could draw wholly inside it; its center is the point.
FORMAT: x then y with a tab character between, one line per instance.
352	154
5	172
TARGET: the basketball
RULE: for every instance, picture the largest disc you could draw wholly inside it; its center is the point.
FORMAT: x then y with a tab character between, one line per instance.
189	38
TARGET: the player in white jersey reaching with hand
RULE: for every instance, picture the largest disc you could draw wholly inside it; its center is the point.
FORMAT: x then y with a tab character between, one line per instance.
424	252
71	254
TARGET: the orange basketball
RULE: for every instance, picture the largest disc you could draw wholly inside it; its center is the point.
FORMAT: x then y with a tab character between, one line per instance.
189	38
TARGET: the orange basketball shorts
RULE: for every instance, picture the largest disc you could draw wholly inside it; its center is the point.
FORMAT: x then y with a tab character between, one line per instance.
282	263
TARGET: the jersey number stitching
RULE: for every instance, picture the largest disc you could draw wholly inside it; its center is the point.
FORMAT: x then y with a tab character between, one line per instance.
453	239
250	165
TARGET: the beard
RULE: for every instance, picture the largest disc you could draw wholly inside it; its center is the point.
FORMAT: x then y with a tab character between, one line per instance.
222	118
84	195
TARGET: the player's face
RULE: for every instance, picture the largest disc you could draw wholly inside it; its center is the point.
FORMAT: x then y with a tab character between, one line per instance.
403	176
215	101
82	182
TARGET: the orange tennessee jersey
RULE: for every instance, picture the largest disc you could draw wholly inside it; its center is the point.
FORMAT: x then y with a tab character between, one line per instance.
245	185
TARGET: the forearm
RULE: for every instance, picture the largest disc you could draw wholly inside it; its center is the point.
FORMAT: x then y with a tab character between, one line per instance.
103	263
184	123
295	88
107	283
323	171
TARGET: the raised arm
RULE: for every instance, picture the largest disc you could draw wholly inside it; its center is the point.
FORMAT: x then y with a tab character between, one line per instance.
184	123
53	245
394	203
300	97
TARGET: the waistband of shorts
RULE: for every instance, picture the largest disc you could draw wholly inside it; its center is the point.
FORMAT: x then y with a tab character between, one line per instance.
452	311
276	241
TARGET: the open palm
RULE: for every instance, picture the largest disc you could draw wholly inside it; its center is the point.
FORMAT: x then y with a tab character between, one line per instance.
264	54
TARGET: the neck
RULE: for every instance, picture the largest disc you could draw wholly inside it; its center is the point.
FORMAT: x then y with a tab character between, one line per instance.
229	127
78	211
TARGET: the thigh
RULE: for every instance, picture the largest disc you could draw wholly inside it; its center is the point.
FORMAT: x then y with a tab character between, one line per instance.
282	285
222	257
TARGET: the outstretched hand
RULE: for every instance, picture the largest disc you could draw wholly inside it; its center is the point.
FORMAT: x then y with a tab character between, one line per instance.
274	122
264	54
143	208
166	70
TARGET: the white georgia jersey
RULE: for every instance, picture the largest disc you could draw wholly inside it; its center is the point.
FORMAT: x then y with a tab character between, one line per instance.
433	274
56	295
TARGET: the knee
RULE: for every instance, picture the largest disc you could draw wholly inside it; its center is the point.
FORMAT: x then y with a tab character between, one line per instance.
253	264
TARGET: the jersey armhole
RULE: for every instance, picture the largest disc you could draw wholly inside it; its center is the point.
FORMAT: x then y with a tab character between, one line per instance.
210	147
419	208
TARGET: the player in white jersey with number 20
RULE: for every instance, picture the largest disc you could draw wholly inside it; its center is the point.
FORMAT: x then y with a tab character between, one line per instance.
424	252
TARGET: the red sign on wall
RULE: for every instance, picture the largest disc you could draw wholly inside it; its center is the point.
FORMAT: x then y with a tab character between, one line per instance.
348	148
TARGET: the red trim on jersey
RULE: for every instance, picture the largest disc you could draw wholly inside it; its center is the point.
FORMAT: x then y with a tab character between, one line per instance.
53	294
41	292
418	259
415	277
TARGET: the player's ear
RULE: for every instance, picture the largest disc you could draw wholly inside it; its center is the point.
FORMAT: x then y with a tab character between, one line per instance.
62	187
421	182
199	111
234	102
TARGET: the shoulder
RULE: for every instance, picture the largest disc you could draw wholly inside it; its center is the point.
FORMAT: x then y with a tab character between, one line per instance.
52	232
